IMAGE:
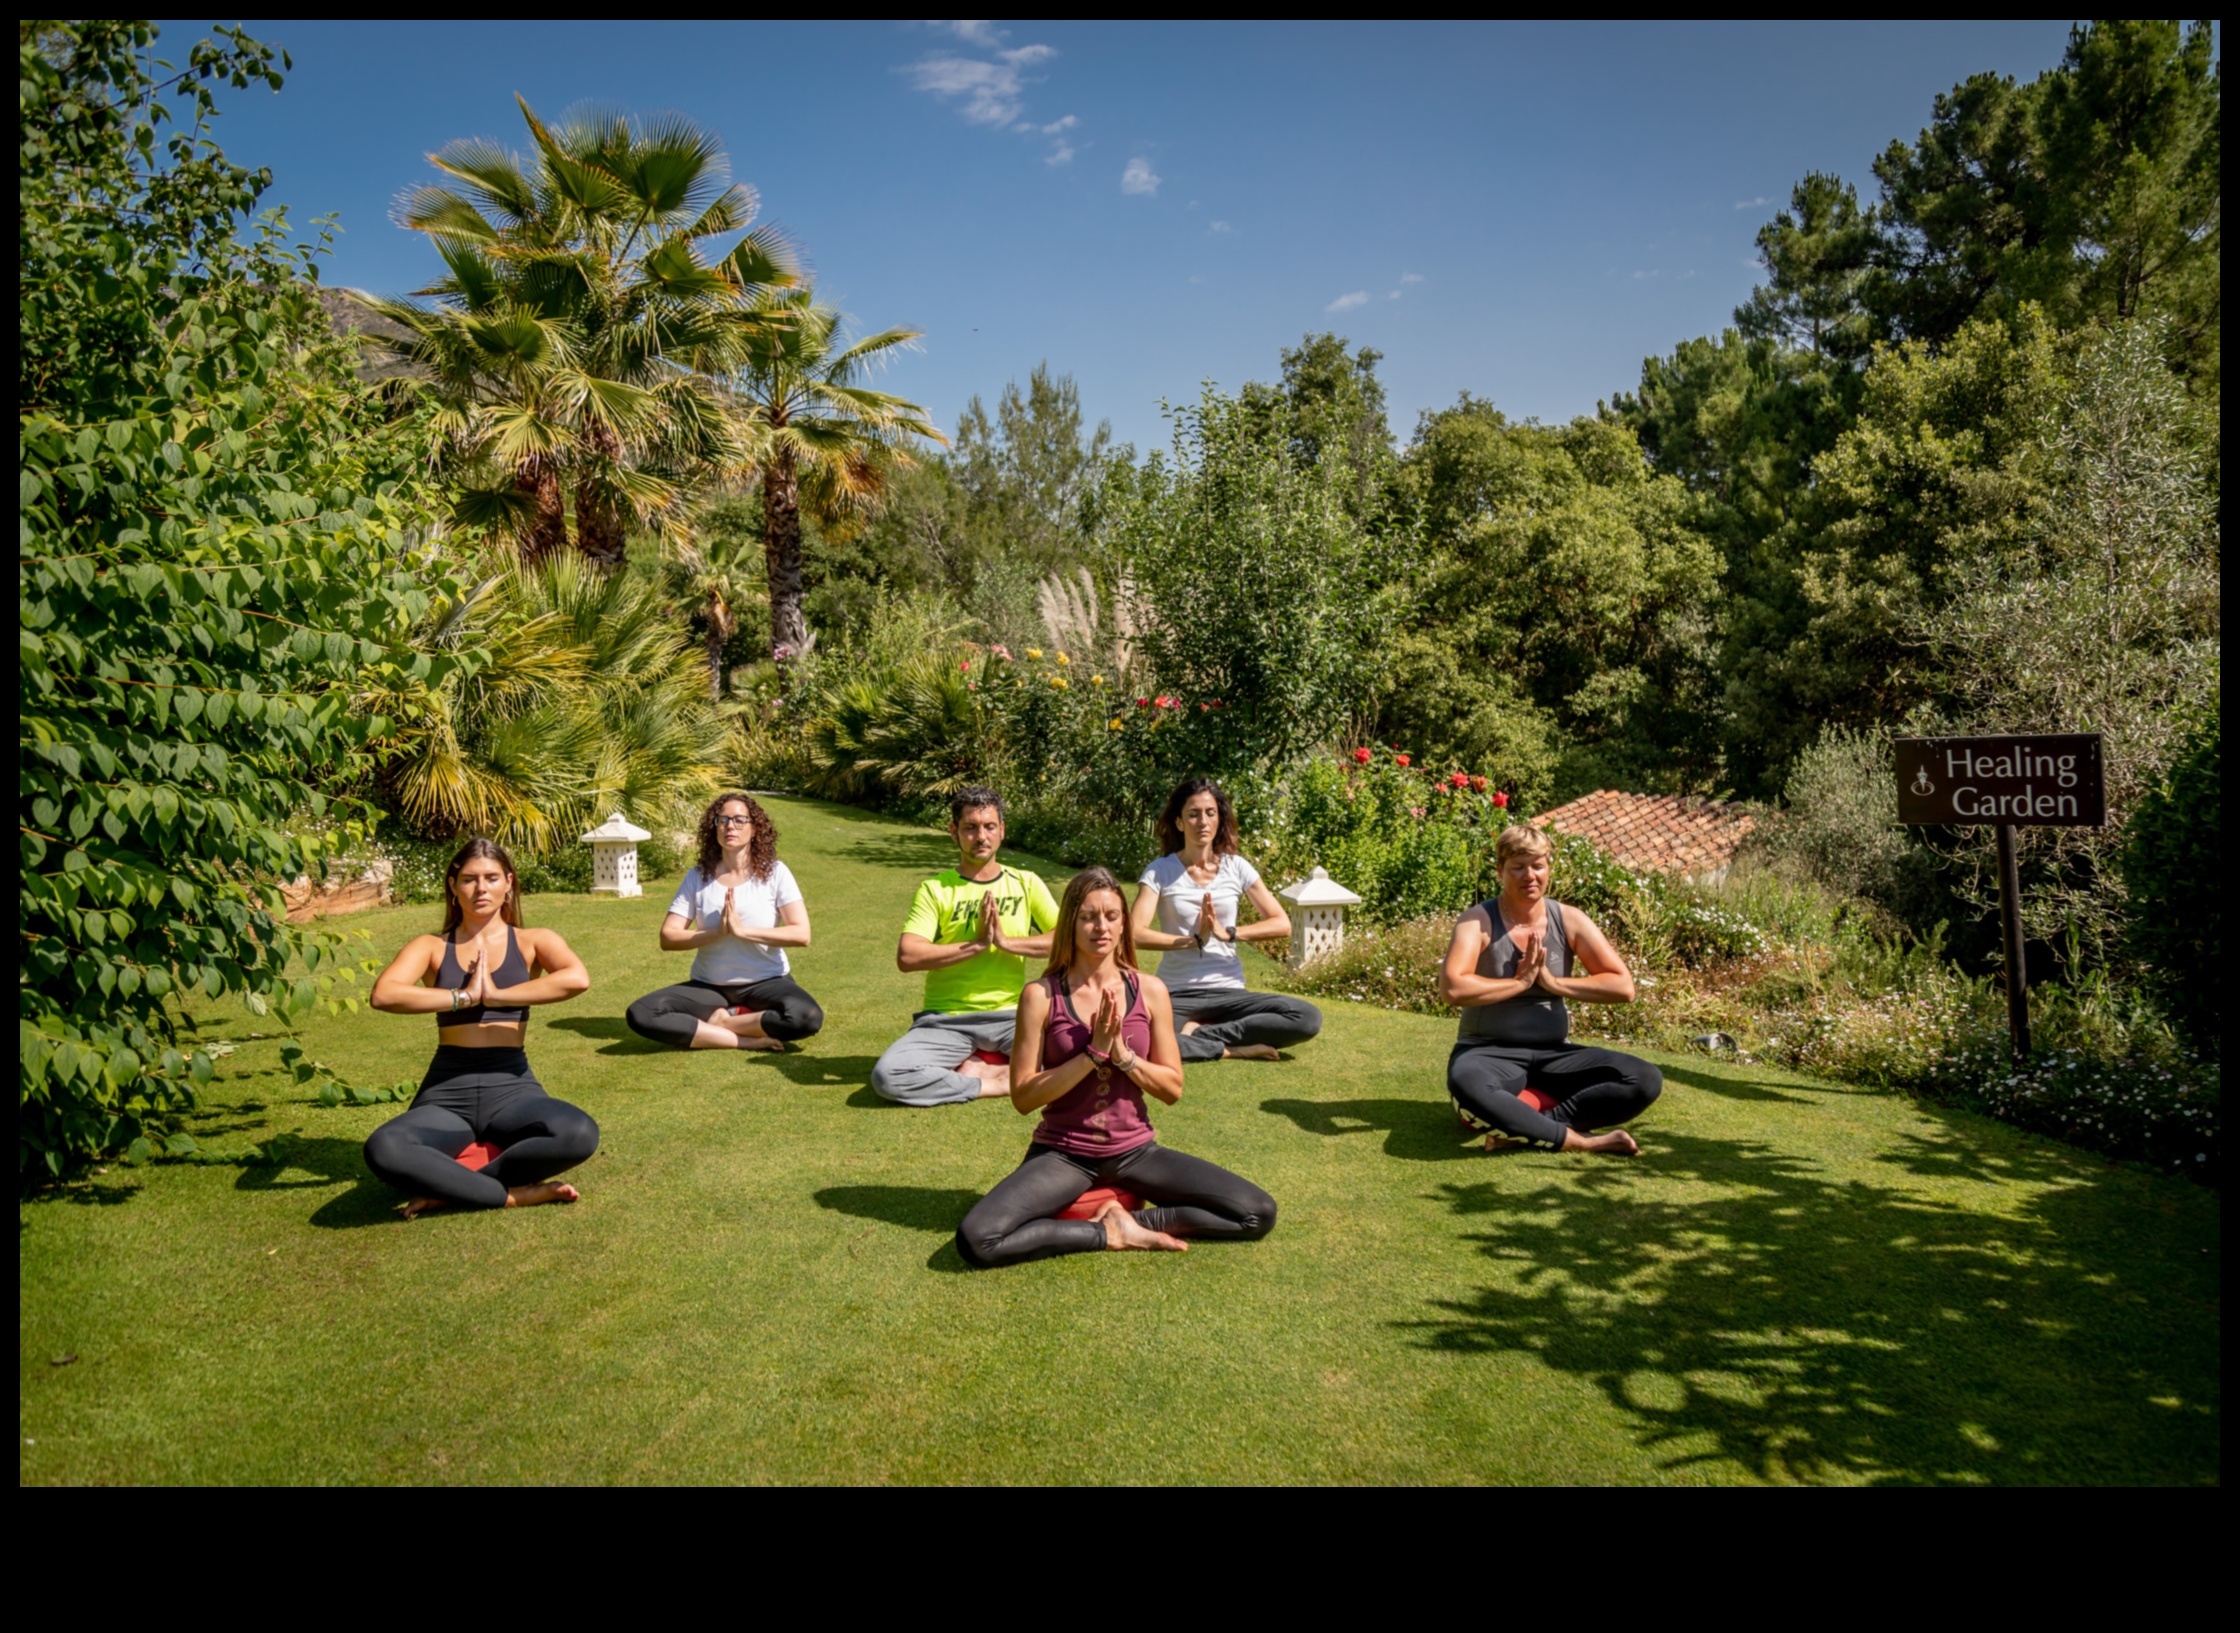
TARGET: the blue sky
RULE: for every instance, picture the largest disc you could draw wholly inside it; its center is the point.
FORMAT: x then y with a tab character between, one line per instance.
1520	211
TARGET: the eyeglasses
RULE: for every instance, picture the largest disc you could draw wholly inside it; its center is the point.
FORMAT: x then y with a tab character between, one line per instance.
734	822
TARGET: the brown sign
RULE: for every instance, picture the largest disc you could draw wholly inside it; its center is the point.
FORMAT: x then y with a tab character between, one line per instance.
1974	782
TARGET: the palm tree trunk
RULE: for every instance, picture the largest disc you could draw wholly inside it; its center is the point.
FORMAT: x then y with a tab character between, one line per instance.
600	534
781	550
547	533
720	626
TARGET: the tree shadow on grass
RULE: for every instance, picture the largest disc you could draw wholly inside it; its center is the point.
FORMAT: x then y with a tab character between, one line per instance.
1415	1130
1810	1329
623	1040
826	1071
915	1207
1737	1083
328	1160
919	853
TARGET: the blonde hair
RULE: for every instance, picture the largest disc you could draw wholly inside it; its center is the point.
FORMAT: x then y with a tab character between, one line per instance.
1520	839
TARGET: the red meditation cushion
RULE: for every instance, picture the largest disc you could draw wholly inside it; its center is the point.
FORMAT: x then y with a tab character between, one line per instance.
1539	1100
480	1155
991	1057
1087	1204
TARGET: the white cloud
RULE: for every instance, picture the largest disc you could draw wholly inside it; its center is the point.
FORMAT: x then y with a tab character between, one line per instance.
1057	125
1346	303
1411	277
990	90
1641	274
1752	203
1392	295
1139	178
1061	153
1220	226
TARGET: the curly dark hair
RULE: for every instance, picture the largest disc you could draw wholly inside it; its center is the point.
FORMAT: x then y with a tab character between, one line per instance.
474	850
973	797
762	850
1169	827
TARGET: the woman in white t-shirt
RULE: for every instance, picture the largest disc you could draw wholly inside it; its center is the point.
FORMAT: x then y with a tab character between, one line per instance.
1187	909
737	911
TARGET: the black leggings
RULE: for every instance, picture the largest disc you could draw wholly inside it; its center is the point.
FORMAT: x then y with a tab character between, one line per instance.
1594	1088
1228	1016
479	1094
673	1015
1013	1222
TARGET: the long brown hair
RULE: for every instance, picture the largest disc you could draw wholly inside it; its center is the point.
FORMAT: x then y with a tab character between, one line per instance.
1079	889
1170	820
474	850
762	849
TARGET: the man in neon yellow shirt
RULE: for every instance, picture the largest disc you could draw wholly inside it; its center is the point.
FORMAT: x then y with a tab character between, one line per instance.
971	930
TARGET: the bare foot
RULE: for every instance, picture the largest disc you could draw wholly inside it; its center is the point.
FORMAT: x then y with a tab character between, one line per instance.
747	1029
1615	1143
530	1196
418	1206
1503	1142
994	1079
1123	1235
1189	1027
1253	1051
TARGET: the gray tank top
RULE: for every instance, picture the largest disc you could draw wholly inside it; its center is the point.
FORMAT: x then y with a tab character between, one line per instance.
1532	1020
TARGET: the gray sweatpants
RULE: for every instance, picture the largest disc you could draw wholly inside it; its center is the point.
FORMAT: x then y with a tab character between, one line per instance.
920	1067
1228	1016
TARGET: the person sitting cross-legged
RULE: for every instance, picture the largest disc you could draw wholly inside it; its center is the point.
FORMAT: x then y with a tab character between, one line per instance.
970	931
1187	910
1095	1037
737	910
1514	964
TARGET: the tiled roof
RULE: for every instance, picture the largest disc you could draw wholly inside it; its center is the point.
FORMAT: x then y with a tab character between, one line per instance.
1664	833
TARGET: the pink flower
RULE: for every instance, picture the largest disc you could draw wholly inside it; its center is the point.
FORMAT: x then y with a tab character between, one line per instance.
1400	759
1165	702
1416	811
1002	652
1360	756
966	666
1477	785
1458	780
1203	707
1501	802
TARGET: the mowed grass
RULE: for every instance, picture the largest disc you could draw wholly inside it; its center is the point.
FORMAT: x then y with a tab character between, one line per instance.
1797	1282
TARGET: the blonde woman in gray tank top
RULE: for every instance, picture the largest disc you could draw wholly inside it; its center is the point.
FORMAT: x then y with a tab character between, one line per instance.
1516	963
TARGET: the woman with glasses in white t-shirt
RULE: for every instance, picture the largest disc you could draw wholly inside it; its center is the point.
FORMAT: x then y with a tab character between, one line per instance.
737	912
1187	909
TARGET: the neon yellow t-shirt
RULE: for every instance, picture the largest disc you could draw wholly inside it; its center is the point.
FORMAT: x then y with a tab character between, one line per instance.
946	911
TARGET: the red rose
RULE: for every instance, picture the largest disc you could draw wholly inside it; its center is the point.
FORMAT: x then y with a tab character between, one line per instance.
1458	780
1360	756
1501	802
1399	759
1143	703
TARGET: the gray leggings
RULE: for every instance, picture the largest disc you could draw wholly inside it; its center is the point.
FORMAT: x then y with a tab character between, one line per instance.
1228	1016
1013	1222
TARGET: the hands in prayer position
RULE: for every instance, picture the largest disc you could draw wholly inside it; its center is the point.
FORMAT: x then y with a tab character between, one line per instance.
1104	1032
735	914
1209	926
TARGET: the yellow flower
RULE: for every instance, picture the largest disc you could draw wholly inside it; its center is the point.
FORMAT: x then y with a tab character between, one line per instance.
1034	651
1116	725
1059	681
1097	680
1062	658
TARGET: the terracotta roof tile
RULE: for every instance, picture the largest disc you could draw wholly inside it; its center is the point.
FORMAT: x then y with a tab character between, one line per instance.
1666	833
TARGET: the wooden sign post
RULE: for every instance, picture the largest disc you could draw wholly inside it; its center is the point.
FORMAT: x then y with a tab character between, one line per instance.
2004	783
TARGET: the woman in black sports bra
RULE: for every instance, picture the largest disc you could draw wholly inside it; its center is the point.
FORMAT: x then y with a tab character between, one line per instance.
476	979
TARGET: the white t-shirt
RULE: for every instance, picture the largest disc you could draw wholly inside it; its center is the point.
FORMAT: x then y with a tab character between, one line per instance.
1179	895
732	962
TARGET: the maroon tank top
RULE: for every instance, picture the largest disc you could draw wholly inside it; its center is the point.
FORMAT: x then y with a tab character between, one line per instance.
1103	1115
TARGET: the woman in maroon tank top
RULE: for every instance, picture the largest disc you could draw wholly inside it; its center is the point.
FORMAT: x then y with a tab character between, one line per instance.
1096	1036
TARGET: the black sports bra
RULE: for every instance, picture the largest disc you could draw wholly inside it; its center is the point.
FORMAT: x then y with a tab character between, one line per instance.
512	970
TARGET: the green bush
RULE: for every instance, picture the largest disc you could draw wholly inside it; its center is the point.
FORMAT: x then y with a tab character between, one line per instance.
2173	872
218	528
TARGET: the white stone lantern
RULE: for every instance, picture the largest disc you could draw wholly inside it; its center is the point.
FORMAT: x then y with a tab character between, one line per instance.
614	857
1318	916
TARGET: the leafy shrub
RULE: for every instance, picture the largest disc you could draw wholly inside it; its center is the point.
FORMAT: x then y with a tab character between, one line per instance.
2172	861
216	524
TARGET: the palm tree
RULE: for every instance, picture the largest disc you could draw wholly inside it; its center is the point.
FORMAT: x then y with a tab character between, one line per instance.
827	439
718	575
574	346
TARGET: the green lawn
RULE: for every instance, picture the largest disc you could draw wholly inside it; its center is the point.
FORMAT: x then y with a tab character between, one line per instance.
1797	1282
